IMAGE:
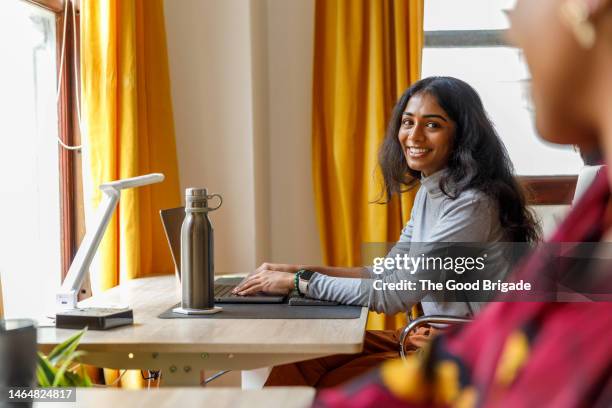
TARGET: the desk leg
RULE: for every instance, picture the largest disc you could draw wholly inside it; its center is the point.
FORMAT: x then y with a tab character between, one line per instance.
254	379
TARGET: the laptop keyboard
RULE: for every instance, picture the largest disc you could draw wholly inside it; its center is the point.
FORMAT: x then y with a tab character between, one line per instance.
223	294
223	290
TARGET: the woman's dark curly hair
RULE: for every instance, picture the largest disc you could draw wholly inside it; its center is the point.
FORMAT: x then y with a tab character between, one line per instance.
478	159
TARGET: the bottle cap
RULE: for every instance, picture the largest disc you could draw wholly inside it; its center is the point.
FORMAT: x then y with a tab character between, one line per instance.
196	199
196	192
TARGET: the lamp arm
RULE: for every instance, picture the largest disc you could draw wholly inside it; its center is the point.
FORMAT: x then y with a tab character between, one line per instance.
67	297
133	182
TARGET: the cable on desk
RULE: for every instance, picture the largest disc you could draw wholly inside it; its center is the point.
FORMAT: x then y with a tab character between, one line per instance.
151	375
214	377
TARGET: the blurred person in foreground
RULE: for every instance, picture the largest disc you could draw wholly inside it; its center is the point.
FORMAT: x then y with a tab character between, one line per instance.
532	354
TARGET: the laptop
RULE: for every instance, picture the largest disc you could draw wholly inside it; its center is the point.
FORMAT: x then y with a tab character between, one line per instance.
172	220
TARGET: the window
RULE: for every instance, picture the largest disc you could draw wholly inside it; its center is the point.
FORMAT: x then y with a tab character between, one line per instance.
37	183
465	39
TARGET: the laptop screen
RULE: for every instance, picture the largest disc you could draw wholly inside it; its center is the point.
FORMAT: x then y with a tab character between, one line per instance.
172	220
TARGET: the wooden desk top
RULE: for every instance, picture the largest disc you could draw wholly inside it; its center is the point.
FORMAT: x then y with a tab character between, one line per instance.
149	297
294	397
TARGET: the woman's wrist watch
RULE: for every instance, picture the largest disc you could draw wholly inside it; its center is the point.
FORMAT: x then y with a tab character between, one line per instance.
302	278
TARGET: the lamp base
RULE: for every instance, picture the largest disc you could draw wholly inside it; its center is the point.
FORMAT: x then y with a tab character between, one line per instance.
95	318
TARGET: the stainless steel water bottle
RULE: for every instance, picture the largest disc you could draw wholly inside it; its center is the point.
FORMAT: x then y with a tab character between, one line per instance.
197	252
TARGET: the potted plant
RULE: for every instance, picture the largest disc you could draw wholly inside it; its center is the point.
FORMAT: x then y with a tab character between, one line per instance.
61	368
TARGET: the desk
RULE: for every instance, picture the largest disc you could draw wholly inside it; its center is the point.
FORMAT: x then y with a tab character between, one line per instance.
294	397
183	347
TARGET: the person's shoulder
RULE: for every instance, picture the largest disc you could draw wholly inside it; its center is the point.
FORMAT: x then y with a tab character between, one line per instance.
471	200
473	195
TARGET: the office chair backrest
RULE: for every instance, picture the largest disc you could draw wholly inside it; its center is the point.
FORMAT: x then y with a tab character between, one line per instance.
550	216
586	176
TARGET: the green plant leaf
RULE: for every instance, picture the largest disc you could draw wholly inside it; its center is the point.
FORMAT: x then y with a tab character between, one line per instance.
41	378
85	380
64	349
45	372
75	356
67	367
79	380
59	376
59	368
72	379
60	379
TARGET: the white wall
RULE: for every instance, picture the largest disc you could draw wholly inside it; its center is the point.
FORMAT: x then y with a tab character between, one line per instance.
210	65
290	40
241	88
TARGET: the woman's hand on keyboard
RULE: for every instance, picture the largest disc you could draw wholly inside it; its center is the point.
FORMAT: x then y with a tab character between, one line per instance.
267	266
267	281
273	267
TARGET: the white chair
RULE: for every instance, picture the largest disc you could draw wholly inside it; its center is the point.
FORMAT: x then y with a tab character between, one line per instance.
585	178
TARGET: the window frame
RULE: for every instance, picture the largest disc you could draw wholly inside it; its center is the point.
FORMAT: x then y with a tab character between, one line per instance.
542	190
466	38
70	185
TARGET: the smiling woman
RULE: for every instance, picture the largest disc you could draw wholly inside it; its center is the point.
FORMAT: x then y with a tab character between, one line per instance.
440	122
439	136
426	134
533	354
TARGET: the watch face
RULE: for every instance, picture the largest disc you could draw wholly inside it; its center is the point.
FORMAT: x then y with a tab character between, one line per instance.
306	274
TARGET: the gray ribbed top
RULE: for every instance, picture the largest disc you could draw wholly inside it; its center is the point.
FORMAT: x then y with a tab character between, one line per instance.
471	217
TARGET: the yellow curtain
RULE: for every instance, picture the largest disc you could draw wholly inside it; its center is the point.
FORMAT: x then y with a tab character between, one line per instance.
366	54
127	112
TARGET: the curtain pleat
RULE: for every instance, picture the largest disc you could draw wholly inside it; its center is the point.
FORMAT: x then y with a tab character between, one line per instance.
366	54
127	114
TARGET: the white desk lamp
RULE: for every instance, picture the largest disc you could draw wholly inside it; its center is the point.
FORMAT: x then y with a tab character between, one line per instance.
67	297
